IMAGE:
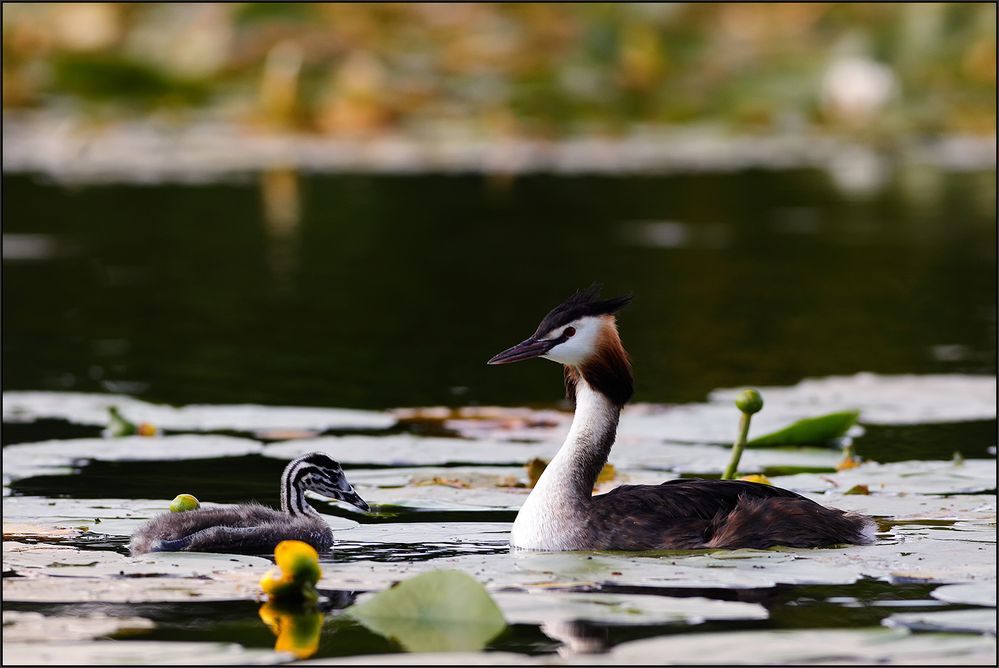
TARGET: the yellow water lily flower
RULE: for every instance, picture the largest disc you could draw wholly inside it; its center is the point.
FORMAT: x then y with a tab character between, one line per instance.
848	463
298	561
275	583
756	477
146	429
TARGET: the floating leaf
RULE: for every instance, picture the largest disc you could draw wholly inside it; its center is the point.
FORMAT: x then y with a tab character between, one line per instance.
119	425
24	460
117	653
437	611
911	477
444	481
537	466
840	646
84	408
978	620
810	431
550	605
967	593
607	473
901	399
34	627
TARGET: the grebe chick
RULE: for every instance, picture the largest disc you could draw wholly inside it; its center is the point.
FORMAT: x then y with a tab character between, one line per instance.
561	512
252	528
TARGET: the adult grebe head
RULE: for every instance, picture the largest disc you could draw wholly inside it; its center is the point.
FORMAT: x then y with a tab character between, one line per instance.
581	334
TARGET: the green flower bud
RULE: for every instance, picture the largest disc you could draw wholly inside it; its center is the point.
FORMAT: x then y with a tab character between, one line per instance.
749	401
184	502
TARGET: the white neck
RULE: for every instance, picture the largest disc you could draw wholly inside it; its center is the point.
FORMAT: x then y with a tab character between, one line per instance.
555	512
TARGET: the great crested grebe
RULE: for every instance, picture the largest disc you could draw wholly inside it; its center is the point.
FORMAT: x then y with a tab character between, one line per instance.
561	512
251	528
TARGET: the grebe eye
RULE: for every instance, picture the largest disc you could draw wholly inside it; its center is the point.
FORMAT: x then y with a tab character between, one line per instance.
569	331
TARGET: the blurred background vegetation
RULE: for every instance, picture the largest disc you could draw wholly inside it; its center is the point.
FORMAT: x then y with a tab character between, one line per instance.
871	71
196	194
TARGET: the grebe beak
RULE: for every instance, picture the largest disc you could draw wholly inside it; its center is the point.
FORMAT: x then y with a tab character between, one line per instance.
525	350
353	499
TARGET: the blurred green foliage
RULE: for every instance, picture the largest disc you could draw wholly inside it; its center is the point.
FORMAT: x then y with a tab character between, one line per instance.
872	70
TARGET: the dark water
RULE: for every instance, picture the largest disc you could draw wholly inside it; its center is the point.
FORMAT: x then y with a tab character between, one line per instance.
393	291
863	604
386	291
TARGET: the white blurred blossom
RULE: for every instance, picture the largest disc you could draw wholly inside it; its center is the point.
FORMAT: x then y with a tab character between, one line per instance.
855	89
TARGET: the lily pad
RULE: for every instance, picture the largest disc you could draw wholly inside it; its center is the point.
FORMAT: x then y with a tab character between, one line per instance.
969	594
865	645
61	456
92	409
37	516
405	450
903	399
971	507
437	611
542	607
66	574
36	627
117	652
979	620
432	659
909	477
823	429
411	450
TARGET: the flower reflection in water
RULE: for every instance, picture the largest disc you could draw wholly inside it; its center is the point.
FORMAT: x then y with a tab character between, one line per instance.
297	628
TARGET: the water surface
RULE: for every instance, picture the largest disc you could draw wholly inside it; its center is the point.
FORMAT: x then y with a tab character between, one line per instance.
380	291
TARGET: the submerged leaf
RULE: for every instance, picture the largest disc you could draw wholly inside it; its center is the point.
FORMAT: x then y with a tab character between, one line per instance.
537	466
607	473
443	610
810	431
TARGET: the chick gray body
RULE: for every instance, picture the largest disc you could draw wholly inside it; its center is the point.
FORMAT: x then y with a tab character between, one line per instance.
252	528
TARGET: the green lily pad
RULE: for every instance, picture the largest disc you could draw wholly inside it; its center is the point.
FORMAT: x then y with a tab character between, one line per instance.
546	607
862	645
92	409
909	477
35	627
966	594
54	457
823	429
115	652
437	611
977	620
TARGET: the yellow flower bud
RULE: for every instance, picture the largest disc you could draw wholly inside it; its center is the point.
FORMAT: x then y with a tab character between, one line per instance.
298	561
